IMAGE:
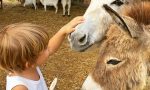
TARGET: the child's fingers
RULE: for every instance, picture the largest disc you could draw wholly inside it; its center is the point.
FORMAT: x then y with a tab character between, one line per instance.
76	22
73	29
79	18
70	30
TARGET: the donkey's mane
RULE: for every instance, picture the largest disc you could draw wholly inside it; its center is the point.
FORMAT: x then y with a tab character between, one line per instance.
140	12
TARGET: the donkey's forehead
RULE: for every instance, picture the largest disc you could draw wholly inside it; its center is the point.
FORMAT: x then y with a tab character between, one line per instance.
99	4
118	41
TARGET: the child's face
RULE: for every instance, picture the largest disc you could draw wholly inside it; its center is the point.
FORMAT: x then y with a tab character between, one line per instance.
43	56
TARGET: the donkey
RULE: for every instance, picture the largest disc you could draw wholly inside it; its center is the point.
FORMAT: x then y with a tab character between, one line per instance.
97	20
124	57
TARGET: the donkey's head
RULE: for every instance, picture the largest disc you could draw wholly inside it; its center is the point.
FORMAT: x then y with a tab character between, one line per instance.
121	64
97	20
123	56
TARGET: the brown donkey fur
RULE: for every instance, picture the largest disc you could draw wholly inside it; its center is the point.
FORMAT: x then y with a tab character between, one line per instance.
125	53
141	14
120	65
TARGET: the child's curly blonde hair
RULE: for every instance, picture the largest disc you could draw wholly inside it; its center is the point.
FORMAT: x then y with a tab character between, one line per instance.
21	43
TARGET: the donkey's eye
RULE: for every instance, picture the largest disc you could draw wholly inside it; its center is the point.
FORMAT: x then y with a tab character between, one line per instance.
117	2
113	61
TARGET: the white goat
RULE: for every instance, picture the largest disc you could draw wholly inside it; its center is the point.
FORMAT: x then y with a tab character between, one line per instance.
27	2
50	3
64	4
46	3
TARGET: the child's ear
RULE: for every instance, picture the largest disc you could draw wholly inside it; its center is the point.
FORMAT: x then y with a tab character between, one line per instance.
28	65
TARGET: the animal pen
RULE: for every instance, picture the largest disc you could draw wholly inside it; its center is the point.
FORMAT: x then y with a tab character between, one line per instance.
69	66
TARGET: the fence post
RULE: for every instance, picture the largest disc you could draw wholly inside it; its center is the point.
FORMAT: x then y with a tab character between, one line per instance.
1	4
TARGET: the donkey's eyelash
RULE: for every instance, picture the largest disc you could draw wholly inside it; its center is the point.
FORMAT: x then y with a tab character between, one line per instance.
117	2
113	62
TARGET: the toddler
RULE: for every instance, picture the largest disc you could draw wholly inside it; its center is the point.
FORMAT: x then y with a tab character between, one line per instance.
24	47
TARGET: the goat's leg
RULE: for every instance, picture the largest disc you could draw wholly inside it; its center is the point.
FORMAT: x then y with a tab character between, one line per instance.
24	4
56	7
45	8
69	6
34	3
64	8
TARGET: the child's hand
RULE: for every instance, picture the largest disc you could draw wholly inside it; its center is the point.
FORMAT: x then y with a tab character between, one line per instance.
70	27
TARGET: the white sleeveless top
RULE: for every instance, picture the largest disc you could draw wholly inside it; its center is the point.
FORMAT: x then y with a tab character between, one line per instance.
13	81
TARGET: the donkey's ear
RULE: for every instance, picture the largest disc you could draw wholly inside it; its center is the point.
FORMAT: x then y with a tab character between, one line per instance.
118	19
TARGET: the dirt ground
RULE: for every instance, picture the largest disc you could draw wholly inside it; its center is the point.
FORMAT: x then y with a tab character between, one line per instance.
70	67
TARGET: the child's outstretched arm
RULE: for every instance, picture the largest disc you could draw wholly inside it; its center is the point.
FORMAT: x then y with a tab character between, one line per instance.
56	41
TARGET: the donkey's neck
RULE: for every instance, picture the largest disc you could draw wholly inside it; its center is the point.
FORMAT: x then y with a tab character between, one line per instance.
139	12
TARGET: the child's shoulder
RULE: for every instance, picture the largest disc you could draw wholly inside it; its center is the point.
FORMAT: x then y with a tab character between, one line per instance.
19	87
24	82
15	83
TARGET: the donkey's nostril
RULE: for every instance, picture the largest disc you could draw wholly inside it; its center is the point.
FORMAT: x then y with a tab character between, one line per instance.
82	39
